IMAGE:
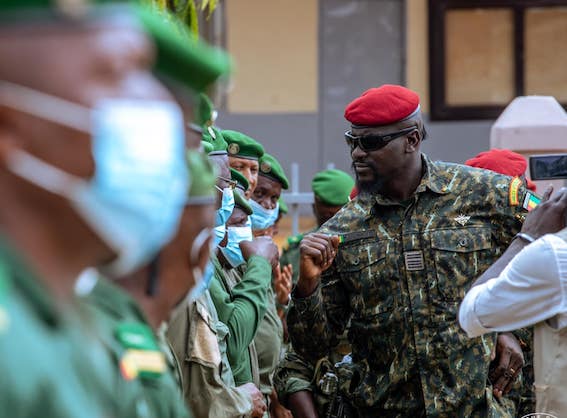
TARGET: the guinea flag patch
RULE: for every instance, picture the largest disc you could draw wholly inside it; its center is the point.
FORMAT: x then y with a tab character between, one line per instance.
514	191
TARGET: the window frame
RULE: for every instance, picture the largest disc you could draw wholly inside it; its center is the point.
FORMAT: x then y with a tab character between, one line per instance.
439	108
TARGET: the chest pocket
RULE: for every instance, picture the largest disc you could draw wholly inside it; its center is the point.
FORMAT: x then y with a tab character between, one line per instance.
362	269
460	256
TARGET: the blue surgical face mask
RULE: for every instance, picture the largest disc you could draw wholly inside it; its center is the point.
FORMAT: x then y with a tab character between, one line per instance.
220	232
136	197
263	218
205	277
227	206
232	252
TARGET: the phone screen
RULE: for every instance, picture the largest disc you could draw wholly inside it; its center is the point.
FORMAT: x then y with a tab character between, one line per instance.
548	167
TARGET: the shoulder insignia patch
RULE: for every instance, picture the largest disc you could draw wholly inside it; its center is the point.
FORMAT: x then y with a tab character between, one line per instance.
142	363
531	201
356	236
136	335
514	190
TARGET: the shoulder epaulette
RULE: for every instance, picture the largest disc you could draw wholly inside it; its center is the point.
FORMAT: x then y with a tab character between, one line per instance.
142	356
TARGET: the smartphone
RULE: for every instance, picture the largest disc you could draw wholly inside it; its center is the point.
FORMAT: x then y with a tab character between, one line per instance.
548	167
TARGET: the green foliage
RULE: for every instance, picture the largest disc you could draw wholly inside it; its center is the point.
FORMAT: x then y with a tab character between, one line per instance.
187	10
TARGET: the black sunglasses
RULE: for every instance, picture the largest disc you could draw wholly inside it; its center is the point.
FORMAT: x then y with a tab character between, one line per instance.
374	142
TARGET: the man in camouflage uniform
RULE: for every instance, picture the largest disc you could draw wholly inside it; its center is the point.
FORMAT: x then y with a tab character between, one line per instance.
396	261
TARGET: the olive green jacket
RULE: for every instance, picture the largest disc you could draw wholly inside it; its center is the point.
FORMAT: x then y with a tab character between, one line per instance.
199	341
145	383
241	307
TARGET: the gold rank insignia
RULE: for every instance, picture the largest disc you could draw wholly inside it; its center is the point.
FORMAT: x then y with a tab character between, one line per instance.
514	191
266	167
233	149
143	363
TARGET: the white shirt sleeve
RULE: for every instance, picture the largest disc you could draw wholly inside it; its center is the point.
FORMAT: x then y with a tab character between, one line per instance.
531	289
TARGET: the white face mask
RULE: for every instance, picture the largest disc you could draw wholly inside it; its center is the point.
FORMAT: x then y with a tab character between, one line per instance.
136	197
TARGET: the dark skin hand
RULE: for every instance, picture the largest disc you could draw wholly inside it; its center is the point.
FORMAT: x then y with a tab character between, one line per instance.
546	218
262	246
317	252
301	405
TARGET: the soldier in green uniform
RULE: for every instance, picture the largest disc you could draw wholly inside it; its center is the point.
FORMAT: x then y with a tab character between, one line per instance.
243	154
68	169
396	262
199	341
269	337
331	189
240	274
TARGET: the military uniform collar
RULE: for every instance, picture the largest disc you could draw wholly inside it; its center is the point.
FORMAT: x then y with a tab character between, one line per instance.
433	179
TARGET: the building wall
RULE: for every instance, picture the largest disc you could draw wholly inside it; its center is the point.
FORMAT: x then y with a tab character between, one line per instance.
360	44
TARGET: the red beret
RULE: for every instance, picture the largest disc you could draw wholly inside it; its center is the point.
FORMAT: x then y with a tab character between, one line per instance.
502	161
383	105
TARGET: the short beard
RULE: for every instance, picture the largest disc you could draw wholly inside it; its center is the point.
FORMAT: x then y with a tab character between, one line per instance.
372	187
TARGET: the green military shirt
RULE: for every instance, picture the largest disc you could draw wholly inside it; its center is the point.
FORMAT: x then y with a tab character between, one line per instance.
51	363
199	340
399	275
241	305
144	383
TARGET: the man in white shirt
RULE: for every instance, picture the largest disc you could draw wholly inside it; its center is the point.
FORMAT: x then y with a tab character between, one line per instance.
528	286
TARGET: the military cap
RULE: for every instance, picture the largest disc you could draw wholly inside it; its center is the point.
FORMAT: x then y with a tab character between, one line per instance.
283	206
203	178
271	168
215	137
242	182
502	161
383	105
242	146
332	187
241	202
182	57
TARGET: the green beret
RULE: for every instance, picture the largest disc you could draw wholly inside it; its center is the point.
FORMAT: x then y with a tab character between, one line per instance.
241	202
332	187
271	168
207	147
242	182
203	178
182	57
242	146
283	206
214	136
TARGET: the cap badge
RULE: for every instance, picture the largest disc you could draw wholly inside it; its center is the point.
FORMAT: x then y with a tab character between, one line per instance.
266	167
233	149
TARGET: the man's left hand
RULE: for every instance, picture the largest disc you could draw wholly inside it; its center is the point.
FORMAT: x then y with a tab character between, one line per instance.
508	363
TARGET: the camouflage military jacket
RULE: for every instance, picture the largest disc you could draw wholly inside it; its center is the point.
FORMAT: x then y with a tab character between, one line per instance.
399	275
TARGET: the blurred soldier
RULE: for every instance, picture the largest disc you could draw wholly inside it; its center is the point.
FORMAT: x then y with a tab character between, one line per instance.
78	143
331	190
396	261
200	340
244	153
